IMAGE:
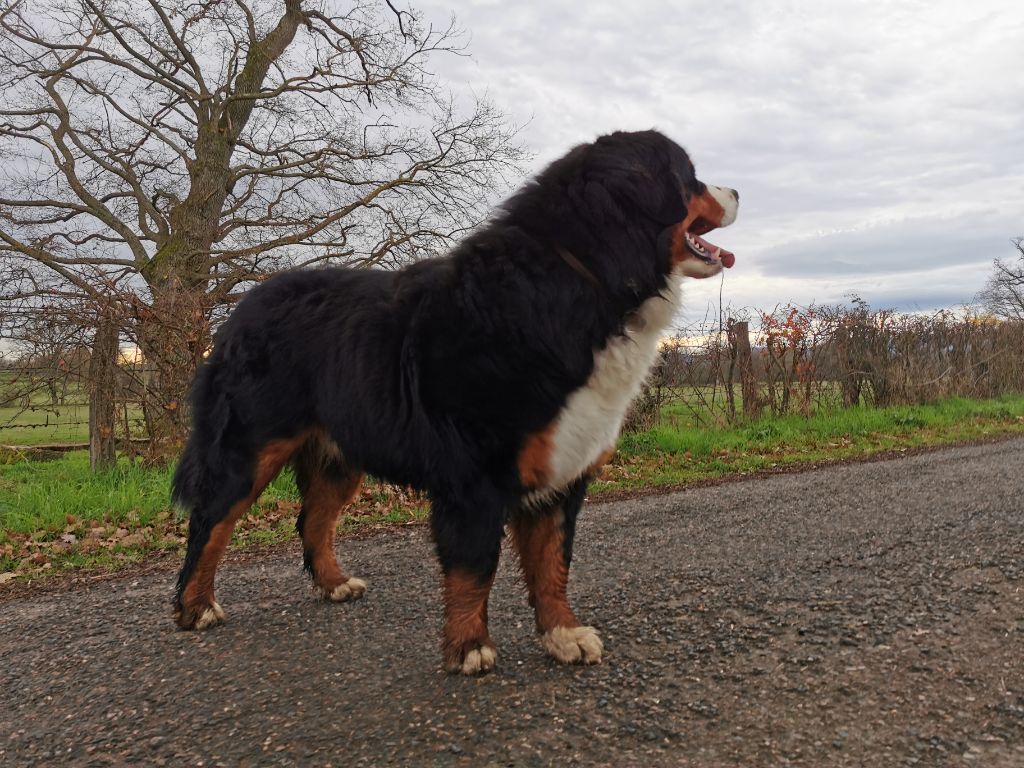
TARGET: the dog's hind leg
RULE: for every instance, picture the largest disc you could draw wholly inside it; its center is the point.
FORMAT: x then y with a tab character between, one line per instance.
209	531
544	541
327	485
467	529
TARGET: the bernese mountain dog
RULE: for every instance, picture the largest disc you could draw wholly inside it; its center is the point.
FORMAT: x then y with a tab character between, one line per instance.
495	379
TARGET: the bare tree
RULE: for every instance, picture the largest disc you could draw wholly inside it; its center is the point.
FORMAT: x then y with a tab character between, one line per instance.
1003	294
176	151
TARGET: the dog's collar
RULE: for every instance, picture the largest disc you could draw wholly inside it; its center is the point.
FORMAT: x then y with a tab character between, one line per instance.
577	266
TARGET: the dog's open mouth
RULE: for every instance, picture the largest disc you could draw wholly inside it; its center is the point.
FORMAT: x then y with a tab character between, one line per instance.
708	253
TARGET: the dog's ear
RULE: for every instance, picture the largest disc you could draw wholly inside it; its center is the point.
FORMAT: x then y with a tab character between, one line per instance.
664	248
682	180
631	177
673	197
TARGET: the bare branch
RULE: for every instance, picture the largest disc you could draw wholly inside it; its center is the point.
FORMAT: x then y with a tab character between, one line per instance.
171	153
1003	294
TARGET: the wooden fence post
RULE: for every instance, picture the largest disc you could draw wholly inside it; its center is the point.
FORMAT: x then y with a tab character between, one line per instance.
102	375
745	361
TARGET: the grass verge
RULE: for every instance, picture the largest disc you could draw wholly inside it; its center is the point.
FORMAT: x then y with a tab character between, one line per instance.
677	455
56	516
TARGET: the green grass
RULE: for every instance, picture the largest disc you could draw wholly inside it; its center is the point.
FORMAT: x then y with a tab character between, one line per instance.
121	515
669	455
40	495
46	423
797	430
63	424
57	515
695	406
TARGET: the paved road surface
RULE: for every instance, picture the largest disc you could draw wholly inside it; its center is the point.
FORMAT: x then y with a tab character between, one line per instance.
868	614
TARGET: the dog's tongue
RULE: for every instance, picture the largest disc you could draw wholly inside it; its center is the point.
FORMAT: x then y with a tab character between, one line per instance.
728	258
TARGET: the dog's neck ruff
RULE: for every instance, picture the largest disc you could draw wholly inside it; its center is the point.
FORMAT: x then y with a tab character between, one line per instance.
590	421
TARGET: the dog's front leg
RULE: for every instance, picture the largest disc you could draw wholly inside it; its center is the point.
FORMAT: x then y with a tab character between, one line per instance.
467	529
544	540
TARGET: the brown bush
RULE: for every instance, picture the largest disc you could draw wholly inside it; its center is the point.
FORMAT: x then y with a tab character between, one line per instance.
803	360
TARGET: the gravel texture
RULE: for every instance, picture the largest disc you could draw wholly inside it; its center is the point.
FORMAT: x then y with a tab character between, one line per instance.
864	614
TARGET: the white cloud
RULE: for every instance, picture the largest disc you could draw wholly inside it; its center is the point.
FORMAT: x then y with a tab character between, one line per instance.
878	147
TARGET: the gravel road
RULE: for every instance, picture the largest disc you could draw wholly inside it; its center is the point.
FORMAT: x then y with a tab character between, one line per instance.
864	614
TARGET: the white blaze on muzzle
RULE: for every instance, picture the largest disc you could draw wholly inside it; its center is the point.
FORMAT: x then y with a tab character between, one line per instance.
727	199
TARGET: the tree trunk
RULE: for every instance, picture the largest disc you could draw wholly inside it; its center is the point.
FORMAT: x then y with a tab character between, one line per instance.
173	333
102	375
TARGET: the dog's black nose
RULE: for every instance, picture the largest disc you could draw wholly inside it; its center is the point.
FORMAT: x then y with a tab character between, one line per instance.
735	194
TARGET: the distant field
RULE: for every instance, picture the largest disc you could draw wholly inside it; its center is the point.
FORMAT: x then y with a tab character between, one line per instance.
708	406
64	424
41	422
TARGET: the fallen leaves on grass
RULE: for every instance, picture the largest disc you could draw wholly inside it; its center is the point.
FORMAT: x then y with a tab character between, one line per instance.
110	543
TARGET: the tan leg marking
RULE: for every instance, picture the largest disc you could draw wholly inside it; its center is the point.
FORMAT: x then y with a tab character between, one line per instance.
539	541
467	647
199	608
535	458
323	502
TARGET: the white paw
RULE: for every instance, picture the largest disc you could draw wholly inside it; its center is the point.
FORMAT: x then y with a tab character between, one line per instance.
352	589
573	645
478	660
211	616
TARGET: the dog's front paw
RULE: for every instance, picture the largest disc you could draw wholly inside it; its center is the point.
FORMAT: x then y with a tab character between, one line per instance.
199	616
472	659
573	645
352	589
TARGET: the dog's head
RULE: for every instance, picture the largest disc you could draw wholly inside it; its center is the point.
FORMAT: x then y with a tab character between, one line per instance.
653	177
708	207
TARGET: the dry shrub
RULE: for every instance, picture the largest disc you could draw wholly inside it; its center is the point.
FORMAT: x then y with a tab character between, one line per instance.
892	359
818	358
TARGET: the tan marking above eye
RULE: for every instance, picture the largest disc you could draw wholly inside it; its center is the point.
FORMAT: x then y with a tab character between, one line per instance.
703	206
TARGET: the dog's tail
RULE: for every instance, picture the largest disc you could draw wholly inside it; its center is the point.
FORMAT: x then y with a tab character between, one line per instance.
202	462
208	477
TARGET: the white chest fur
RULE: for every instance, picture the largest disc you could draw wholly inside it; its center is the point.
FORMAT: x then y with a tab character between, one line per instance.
590	421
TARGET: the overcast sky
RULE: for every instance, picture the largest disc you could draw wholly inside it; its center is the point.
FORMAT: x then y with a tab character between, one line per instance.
878	147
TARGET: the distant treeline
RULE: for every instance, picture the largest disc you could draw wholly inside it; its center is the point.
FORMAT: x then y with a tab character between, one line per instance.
794	360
